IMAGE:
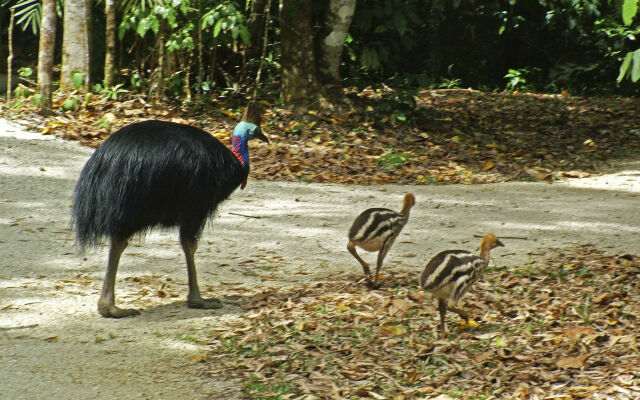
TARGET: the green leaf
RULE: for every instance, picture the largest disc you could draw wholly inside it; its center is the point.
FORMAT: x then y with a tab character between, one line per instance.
400	23
629	10
624	68
216	29
635	68
77	78
244	34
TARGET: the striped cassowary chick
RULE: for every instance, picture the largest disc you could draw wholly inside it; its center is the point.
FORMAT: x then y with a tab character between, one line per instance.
157	174
375	230
451	273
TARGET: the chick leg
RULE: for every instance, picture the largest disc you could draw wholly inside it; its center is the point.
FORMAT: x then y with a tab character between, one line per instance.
381	255
442	307
352	249
461	313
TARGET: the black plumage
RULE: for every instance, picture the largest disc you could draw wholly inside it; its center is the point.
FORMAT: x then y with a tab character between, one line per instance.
375	229
450	273
157	174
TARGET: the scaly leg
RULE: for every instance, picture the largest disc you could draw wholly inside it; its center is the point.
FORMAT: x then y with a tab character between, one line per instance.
442	307
106	304
352	249
461	313
381	255
194	299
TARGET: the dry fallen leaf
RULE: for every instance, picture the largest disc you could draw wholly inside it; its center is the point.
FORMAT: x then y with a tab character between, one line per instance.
578	331
572	362
488	165
198	357
482	357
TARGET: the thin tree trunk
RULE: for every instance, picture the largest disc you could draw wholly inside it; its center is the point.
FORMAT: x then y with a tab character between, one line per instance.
10	57
301	87
158	75
200	52
338	20
257	20
110	51
265	42
75	43
46	50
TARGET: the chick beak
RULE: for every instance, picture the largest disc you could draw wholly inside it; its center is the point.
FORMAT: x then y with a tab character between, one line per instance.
499	243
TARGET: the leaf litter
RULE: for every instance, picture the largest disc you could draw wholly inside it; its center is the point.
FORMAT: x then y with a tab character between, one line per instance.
565	327
452	136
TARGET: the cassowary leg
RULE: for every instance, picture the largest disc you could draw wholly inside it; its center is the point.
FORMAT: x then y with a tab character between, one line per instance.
442	307
194	299
352	249
106	304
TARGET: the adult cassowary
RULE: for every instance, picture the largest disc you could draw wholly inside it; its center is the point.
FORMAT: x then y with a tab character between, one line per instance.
158	174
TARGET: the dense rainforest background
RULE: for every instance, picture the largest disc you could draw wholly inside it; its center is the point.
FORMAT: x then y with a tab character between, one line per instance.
301	50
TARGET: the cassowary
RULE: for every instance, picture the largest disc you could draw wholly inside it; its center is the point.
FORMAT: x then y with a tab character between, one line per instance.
157	174
375	230
450	273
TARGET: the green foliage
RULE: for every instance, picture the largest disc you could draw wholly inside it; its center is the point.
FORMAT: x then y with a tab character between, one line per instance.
71	103
630	67
629	10
21	91
38	99
25	72
28	14
563	44
111	92
393	160
228	22
517	79
447	83
78	79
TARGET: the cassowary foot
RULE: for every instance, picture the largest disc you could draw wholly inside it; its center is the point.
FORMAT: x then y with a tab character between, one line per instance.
111	311
208	304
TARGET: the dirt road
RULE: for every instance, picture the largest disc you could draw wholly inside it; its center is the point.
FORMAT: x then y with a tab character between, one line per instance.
54	345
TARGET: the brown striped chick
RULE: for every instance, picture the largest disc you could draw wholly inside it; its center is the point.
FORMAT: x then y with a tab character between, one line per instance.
451	273
375	230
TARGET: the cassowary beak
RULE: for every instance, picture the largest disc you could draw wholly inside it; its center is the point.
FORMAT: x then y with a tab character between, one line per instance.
258	134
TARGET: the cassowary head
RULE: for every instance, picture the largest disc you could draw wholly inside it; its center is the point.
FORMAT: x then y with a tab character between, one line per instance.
245	131
249	127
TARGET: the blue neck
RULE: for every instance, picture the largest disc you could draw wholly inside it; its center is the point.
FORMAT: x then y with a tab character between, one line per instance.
239	146
241	135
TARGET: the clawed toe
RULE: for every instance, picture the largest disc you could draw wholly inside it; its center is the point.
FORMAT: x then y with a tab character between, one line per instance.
115	312
207	304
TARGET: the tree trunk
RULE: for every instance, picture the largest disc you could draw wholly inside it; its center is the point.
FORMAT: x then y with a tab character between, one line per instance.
10	57
200	91
301	87
265	42
110	51
46	51
338	20
75	43
256	24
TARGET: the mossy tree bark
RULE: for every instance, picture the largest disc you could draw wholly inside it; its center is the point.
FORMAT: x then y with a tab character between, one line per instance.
75	44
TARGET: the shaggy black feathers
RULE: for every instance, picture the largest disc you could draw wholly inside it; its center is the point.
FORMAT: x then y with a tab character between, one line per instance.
153	174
